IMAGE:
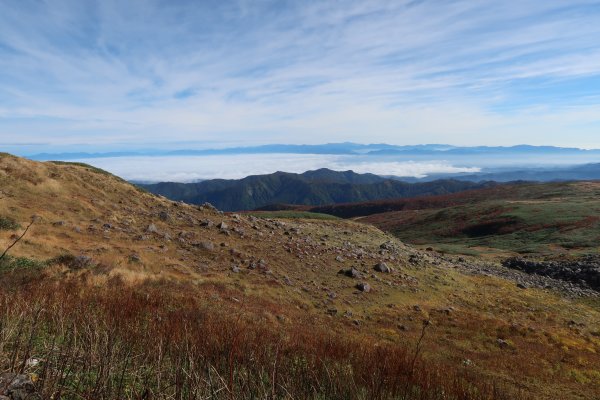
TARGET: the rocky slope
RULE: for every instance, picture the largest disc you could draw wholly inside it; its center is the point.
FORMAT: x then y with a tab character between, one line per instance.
353	279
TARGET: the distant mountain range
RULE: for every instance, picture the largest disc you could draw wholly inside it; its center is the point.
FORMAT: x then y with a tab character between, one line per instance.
380	149
548	174
317	187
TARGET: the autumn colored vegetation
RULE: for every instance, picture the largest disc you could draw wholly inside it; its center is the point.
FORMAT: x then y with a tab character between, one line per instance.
164	340
527	218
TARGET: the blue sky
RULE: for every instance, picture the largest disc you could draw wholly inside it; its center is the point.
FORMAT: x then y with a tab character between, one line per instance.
109	75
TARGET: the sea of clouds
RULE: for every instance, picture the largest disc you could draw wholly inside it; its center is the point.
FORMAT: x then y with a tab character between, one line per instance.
193	168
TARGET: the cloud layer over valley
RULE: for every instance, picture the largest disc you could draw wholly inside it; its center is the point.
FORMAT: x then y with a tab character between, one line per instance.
187	169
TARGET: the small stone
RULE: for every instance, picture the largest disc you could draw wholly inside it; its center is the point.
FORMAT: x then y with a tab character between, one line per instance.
152	229
206	245
223	226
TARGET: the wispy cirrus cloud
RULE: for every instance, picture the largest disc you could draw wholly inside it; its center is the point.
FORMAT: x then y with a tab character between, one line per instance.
130	74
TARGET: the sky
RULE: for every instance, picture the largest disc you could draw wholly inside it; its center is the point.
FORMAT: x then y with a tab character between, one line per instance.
113	75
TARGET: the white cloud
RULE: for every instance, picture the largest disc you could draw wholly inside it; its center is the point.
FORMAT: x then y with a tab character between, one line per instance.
190	168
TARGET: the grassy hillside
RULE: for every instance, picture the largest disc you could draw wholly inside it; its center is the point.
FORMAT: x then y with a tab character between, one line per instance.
532	218
116	293
318	187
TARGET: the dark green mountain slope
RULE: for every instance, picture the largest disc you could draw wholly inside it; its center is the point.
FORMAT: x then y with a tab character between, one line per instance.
317	187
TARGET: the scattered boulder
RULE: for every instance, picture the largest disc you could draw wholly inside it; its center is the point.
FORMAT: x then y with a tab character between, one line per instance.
583	271
260	264
363	287
208	207
235	269
350	272
387	246
382	267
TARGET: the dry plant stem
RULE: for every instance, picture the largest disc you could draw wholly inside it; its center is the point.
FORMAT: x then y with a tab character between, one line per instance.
414	360
17	240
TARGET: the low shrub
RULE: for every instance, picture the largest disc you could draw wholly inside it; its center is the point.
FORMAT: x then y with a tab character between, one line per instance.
8	223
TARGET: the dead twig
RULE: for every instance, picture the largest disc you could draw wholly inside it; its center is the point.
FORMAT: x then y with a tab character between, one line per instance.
426	323
33	219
